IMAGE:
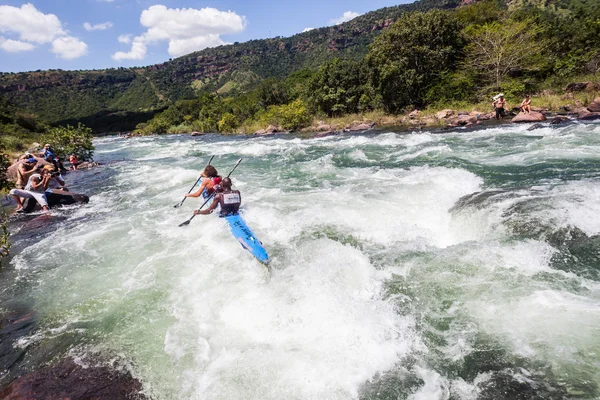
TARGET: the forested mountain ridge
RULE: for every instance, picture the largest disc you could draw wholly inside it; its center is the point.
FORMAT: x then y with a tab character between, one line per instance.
119	98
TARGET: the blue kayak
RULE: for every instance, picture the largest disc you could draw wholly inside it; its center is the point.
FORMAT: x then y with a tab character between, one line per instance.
246	237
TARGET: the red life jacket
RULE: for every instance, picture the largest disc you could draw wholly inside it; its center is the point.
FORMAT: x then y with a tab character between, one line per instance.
216	186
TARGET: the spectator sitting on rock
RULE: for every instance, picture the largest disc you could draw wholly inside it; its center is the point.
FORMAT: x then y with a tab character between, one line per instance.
35	189
526	104
499	105
56	180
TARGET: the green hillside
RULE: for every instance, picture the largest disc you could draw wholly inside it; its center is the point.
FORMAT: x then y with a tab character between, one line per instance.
98	96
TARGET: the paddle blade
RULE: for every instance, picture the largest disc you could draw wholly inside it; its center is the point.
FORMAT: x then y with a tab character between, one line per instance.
177	205
185	223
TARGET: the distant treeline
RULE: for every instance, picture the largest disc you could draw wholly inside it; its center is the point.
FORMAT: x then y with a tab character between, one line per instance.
424	58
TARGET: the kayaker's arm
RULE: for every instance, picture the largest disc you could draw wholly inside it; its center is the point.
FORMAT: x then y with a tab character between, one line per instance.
210	209
198	193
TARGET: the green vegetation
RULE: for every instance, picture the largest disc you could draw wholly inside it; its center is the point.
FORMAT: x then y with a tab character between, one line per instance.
69	140
424	60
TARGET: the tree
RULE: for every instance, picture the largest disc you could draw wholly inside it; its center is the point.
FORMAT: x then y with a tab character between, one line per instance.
340	87
502	48
69	140
228	123
410	55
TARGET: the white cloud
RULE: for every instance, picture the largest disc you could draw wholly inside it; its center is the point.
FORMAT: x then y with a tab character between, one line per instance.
34	27
106	1
307	29
187	30
137	52
14	46
30	24
98	27
347	16
69	47
124	39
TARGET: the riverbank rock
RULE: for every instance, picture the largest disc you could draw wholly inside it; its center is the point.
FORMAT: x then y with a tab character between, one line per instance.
195	133
445	114
359	126
581	86
531	117
586	115
464	120
67	380
414	114
594	106
323	134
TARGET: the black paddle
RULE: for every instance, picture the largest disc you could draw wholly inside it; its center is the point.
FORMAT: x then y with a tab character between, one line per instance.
195	183
184	223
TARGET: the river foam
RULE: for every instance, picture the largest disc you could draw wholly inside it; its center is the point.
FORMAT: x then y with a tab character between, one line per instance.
415	264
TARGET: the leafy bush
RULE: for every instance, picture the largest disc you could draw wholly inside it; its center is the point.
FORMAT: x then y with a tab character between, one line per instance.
69	140
228	123
291	116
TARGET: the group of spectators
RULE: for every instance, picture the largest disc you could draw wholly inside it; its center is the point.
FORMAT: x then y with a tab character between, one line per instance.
500	106
35	180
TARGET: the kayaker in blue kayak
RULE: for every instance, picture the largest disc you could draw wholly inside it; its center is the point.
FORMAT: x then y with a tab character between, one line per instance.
229	200
209	183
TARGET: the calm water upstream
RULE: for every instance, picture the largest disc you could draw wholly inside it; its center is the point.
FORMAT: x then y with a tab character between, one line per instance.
424	266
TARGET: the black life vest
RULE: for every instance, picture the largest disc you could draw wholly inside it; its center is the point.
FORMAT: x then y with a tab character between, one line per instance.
230	202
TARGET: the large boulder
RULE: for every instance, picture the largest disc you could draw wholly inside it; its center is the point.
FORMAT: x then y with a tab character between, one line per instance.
444	114
529	117
463	120
68	380
576	87
272	129
594	106
359	126
414	114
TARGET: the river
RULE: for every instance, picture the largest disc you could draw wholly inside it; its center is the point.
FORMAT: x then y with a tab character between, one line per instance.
461	265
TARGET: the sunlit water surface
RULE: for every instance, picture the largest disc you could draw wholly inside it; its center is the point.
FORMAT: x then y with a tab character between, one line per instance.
423	266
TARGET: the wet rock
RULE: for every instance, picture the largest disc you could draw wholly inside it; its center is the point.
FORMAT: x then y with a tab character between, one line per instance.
68	380
535	126
14	325
594	106
586	115
464	119
196	133
558	120
323	134
531	117
41	223
414	114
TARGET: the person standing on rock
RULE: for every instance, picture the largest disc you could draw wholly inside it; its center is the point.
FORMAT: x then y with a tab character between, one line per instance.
499	105
24	170
526	104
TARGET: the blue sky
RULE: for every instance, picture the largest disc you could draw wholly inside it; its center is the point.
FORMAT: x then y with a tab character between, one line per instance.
97	34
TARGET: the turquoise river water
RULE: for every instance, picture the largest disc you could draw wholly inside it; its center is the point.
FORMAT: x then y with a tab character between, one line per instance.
462	265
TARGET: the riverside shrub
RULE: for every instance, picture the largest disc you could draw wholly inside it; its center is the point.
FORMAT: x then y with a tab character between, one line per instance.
71	140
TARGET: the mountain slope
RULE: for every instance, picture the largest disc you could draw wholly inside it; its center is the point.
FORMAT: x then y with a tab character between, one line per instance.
65	96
